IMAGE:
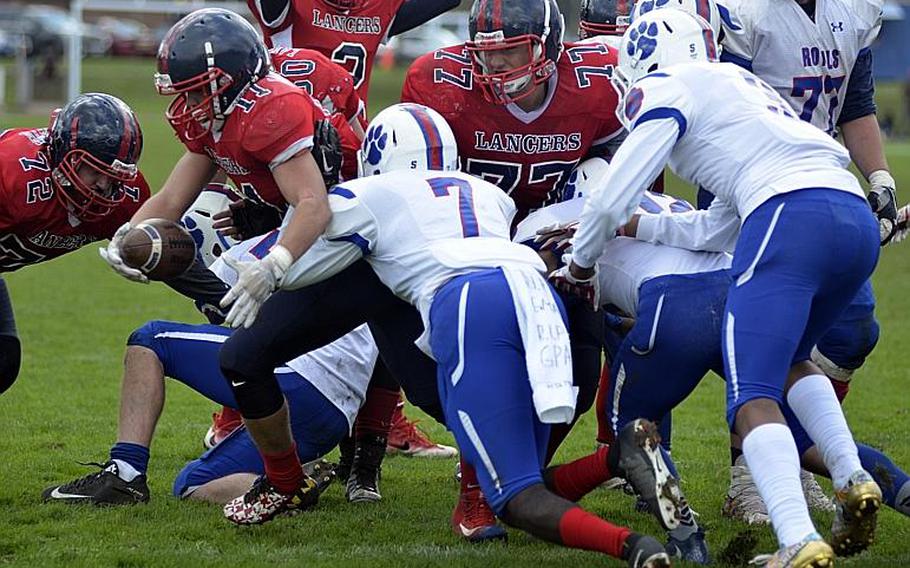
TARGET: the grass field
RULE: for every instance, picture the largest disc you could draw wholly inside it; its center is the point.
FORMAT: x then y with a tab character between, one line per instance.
74	315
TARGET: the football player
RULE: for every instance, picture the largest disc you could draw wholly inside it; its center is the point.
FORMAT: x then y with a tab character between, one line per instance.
64	187
817	56
604	21
525	108
348	32
684	107
440	240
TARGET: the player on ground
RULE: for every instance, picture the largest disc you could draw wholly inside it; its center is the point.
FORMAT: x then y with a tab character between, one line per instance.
62	188
695	114
324	389
525	108
817	56
346	31
440	241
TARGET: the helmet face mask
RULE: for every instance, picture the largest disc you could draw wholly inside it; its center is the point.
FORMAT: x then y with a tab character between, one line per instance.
94	139
604	17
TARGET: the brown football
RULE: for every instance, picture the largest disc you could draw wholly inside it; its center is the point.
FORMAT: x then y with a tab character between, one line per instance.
160	248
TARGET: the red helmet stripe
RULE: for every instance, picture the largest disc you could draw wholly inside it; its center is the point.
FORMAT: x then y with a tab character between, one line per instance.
621	8
482	16
708	34
431	136
704	10
497	14
127	138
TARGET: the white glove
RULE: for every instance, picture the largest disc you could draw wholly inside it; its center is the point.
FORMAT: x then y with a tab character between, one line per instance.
556	236
111	255
588	288
883	202
256	280
902	227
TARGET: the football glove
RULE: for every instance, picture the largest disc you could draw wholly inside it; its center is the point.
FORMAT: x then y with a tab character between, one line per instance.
883	202
111	255
327	152
902	227
588	288
556	237
245	219
256	280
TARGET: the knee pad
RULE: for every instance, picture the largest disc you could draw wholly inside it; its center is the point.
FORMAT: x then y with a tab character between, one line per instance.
10	361
257	393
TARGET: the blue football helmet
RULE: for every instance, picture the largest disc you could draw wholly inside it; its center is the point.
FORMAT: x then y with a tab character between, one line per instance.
504	26
99	132
604	17
214	54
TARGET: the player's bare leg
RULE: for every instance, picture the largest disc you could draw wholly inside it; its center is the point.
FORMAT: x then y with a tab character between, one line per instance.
141	396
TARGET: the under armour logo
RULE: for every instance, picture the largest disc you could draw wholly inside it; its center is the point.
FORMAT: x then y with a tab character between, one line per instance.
837	27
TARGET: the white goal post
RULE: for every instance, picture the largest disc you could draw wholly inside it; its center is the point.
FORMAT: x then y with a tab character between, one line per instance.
173	7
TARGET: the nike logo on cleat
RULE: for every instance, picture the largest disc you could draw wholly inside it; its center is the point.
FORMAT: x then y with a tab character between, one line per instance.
57	494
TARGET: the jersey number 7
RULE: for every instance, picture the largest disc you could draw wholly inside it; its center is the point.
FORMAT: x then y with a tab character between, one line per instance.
441	187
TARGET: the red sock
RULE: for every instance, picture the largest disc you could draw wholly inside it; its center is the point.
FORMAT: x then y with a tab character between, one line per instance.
375	416
580	529
283	469
576	479
468	476
604	429
841	388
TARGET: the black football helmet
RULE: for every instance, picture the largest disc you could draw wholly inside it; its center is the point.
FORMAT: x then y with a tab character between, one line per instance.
507	25
99	132
604	17
215	54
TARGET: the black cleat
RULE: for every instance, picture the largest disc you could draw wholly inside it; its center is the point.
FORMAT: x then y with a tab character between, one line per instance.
366	470
345	459
643	551
104	487
636	457
321	471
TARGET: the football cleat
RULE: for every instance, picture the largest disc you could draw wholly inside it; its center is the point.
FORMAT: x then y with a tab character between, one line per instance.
644	551
321	471
104	487
811	552
693	549
473	520
857	505
366	470
223	423
407	439
263	502
636	457
815	495
345	458
743	501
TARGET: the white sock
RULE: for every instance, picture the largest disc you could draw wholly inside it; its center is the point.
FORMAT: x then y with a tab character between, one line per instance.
125	471
774	462
813	401
902	502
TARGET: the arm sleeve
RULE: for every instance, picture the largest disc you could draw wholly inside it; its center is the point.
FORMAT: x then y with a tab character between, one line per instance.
639	160
859	101
412	13
713	229
203	287
350	236
739	39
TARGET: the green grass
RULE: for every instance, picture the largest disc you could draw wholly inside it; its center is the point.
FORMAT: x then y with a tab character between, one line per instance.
74	316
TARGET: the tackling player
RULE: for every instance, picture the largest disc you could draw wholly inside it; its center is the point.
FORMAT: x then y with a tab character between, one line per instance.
683	107
62	188
525	108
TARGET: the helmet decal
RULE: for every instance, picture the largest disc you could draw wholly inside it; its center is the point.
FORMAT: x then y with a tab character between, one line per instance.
375	142
642	40
431	137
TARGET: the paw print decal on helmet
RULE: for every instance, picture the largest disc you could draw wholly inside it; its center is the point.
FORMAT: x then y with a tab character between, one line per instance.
649	5
375	142
642	39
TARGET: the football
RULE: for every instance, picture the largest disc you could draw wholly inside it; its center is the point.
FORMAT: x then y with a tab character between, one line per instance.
160	248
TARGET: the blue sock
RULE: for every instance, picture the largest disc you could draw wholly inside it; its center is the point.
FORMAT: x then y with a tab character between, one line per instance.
133	454
888	476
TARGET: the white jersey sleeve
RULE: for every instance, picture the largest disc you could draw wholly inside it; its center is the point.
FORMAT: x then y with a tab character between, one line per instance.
713	229
658	112
737	17
350	236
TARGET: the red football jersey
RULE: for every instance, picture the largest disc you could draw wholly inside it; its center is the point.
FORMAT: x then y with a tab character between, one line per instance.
527	154
34	225
324	80
272	122
349	38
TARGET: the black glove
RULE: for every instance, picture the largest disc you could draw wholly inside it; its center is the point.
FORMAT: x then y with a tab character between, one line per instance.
252	219
327	152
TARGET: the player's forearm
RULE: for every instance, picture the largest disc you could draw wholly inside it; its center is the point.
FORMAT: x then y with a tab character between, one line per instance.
416	12
301	185
189	176
863	140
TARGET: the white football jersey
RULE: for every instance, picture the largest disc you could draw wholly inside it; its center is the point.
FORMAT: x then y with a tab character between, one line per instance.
340	370
417	229
627	263
807	62
720	127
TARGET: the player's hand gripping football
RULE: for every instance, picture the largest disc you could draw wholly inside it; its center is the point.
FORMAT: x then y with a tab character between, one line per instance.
256	280
884	204
588	288
556	237
111	255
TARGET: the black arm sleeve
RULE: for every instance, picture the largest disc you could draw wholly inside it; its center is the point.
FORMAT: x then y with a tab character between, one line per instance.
412	13
860	98
270	10
205	289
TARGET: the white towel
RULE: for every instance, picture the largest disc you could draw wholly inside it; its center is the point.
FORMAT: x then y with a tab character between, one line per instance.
546	342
